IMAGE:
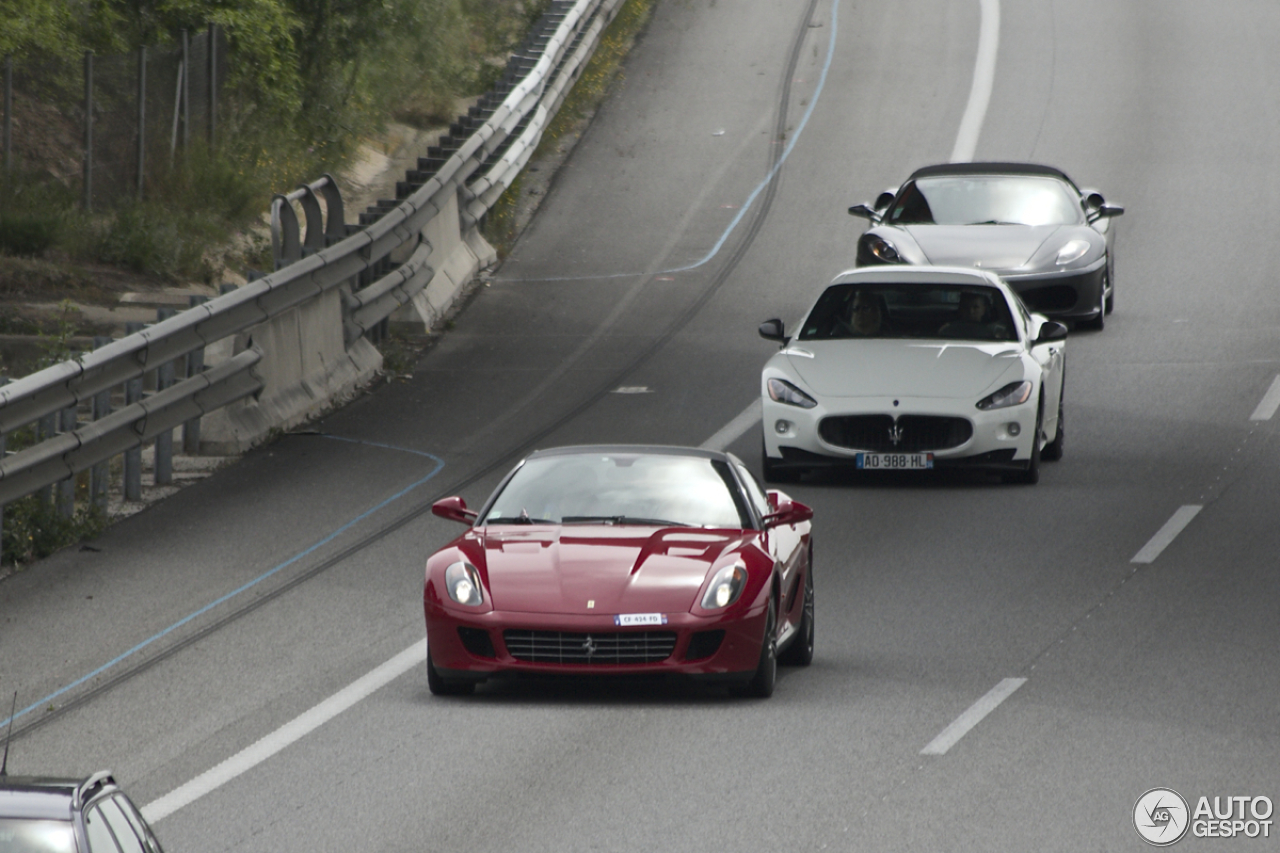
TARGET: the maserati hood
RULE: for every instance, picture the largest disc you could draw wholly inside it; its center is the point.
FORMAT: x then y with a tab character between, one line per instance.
994	247
898	368
597	569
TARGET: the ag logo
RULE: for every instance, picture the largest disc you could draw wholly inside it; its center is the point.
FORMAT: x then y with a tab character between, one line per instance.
1161	816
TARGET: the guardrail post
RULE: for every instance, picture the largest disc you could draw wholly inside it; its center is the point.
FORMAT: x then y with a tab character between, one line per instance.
99	475
66	498
195	364
46	427
133	456
164	441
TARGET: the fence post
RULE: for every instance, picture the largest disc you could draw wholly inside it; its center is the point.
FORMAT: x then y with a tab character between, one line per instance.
88	130
164	441
213	84
133	456
100	474
186	92
195	364
66	498
8	116
4	380
142	118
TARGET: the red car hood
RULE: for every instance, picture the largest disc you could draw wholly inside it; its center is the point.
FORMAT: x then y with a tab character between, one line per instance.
600	569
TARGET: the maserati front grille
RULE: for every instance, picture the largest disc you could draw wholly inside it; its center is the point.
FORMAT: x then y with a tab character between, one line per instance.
909	434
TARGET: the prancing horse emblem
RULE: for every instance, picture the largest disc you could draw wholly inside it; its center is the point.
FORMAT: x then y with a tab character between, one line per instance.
895	435
589	646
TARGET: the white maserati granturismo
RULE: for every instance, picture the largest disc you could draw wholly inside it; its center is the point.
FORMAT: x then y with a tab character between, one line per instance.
914	368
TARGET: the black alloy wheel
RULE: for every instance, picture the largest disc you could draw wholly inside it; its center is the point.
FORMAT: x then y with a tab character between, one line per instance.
766	675
1100	322
441	686
800	652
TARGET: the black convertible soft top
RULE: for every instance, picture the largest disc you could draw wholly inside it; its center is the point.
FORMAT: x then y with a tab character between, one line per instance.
989	169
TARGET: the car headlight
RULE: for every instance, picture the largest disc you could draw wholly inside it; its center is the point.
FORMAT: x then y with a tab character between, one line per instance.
1074	250
725	587
782	391
1013	394
882	250
463	583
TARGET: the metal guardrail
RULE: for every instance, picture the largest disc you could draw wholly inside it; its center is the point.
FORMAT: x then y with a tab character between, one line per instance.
492	143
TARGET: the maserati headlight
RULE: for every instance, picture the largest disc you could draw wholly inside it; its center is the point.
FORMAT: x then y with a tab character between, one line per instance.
463	582
1013	394
882	250
725	587
782	391
1074	250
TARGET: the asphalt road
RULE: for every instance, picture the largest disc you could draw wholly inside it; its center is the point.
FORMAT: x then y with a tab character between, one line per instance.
998	667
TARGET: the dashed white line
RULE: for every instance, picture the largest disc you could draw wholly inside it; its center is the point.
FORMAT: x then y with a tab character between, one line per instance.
1270	402
296	729
732	431
973	716
1166	534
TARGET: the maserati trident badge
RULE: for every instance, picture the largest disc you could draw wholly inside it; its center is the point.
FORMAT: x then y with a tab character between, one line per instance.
895	435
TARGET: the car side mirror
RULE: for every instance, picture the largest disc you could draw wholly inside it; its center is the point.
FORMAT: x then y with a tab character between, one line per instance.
865	212
454	509
1051	330
1108	210
785	511
885	199
773	330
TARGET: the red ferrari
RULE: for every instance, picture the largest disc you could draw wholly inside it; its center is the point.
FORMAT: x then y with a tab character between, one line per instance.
614	560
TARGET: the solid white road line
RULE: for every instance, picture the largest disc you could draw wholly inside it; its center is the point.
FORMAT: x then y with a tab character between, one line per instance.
299	727
1270	402
1166	534
984	75
973	716
732	431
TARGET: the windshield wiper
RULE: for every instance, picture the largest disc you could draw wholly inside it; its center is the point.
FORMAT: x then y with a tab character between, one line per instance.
522	519
621	519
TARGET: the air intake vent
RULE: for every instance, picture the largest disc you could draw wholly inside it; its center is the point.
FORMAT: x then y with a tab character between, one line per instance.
593	649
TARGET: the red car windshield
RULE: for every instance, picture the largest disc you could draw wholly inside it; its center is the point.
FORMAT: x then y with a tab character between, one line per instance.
623	488
25	835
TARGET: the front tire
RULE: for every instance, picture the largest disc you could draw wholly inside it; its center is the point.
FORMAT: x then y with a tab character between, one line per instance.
1031	474
800	652
766	675
441	686
1053	450
774	473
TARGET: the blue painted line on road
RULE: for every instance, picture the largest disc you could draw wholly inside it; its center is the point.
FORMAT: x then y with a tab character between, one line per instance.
439	464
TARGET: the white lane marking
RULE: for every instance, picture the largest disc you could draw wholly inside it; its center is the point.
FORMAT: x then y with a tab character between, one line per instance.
973	716
1270	402
1166	534
299	727
732	431
984	75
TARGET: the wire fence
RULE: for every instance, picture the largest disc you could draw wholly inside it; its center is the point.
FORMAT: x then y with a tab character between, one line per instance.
109	125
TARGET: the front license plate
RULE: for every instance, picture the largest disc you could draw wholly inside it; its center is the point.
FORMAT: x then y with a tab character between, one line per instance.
894	461
625	619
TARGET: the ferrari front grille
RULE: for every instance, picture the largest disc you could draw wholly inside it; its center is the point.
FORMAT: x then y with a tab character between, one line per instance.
908	434
602	649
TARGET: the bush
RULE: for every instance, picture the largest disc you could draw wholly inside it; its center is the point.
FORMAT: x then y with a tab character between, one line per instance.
27	234
34	529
